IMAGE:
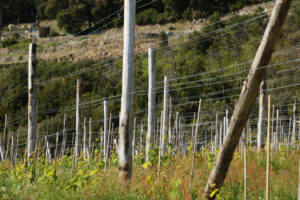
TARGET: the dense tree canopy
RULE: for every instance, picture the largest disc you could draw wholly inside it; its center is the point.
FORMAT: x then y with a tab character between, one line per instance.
77	15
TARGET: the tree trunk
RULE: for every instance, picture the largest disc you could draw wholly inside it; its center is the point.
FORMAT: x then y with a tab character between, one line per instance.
247	98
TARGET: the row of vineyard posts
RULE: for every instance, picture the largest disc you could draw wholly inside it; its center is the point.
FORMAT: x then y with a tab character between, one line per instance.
228	133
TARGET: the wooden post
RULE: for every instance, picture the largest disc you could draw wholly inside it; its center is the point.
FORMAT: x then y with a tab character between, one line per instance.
108	141
299	182
63	149
195	143
160	146
245	161
247	97
176	130
170	123
268	147
151	102
294	136
193	127
90	152
36	152
272	133
277	127
105	104
32	100
125	132
84	139
141	137
220	134
165	115
12	149
56	147
78	121
133	140
261	121
5	138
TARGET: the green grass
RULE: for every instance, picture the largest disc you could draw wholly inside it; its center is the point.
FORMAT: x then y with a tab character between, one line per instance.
94	182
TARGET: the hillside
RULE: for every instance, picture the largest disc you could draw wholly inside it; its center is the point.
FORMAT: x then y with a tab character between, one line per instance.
201	65
109	43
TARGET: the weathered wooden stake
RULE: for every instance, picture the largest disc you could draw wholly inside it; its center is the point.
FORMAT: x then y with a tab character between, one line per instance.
5	136
165	115
133	140
247	97
294	136
160	146
78	121
63	149
245	162
32	100
170	123
268	147
84	139
90	152
106	124
299	182
195	144
261	117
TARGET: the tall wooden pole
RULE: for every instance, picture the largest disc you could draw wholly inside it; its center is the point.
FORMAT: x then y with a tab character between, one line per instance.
261	117
245	161
268	147
90	152
84	138
78	121
195	144
125	132
294	136
151	102
133	140
32	100
63	149
165	115
5	138
299	182
247	97
105	104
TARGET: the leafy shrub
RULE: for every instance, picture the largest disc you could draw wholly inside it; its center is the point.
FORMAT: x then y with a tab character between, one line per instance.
53	33
147	17
8	42
163	39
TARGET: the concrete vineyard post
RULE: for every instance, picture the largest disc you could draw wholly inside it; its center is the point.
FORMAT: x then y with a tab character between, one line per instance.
151	102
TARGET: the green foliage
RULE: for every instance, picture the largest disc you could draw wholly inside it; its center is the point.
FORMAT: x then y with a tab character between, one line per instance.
147	17
163	39
8	42
84	14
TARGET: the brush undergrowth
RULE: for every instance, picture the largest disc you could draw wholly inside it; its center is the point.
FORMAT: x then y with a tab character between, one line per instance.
92	181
